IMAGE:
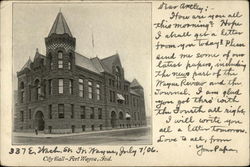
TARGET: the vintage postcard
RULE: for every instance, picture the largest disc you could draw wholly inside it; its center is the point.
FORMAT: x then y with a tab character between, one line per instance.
124	83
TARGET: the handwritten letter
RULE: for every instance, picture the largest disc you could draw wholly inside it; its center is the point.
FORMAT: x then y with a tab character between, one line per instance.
200	54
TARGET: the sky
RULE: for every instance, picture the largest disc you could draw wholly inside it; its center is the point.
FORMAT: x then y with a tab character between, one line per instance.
123	28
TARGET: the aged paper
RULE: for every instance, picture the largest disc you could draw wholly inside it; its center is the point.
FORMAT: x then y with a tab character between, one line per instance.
127	83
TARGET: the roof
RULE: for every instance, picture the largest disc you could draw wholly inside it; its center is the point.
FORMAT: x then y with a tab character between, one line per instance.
135	83
97	64
60	26
108	62
134	92
27	64
86	63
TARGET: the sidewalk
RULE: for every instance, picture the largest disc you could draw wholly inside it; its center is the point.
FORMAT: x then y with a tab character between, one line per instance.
41	134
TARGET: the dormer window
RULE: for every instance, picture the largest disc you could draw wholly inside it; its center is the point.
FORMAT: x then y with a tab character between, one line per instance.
60	59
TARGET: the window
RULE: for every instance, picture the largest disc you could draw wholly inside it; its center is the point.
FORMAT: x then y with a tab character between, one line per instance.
110	96
92	114
90	88
118	77
126	87
114	96
60	86
21	116
83	128
50	62
22	92
101	127
60	60
82	114
50	111
120	116
50	129
98	95
69	62
93	127
126	99
73	128
50	87
30	114
99	113
110	82
60	110
81	88
22	96
69	65
38	89
72	111
44	88
71	86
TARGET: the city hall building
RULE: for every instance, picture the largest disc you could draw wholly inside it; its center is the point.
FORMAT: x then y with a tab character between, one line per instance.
66	92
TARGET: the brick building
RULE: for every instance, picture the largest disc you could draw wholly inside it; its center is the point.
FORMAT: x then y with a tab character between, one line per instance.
66	92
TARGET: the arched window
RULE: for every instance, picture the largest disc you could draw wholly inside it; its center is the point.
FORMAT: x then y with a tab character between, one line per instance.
70	61
44	87
38	89
120	115
99	113
60	59
22	92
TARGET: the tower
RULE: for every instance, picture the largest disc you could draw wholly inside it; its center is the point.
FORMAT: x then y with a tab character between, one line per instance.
60	45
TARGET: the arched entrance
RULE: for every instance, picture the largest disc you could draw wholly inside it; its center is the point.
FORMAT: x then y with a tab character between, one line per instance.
39	121
113	119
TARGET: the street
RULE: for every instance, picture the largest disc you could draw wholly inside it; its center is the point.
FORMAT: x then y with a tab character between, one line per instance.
117	137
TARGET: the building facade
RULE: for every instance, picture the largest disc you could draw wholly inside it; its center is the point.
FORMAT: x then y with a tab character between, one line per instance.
66	92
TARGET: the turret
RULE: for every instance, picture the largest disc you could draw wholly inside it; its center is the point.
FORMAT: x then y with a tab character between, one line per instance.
60	45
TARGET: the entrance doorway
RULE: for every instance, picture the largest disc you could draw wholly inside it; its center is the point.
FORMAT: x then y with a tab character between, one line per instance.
39	121
113	119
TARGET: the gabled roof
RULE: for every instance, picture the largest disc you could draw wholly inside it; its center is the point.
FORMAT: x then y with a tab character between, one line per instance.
60	26
86	63
27	64
108	62
135	83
